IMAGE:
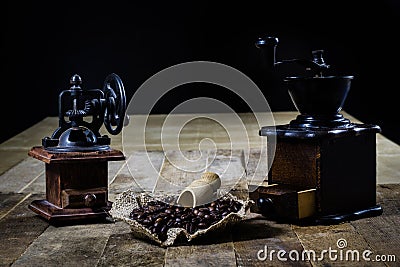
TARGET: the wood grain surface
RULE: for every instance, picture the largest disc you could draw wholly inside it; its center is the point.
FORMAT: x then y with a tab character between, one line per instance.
28	240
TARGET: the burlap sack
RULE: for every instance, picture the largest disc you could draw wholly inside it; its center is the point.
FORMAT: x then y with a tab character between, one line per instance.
128	200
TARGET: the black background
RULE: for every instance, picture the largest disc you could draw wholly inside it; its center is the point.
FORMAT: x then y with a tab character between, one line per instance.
45	42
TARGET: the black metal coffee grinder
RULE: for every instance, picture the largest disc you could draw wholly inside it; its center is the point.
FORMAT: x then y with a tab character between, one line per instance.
324	166
76	155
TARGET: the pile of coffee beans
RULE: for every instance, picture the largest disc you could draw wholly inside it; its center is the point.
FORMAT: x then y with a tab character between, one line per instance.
158	216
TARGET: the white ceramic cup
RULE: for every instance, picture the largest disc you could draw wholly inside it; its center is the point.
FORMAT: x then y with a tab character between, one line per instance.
200	191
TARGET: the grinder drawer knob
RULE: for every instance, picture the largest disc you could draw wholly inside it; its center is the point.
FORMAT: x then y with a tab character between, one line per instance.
266	206
90	200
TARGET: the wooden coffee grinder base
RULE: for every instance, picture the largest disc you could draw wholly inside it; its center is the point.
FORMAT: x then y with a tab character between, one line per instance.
327	174
76	185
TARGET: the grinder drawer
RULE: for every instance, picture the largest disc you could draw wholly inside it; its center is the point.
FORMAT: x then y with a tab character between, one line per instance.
285	202
88	198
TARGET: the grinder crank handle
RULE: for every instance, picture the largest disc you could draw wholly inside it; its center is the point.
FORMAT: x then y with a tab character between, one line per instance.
268	49
268	45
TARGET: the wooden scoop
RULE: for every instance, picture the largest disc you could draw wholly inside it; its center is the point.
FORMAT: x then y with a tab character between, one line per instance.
200	191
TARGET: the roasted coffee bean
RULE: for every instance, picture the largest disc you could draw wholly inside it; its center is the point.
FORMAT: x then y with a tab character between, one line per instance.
195	220
161	215
201	225
184	217
193	228
169	211
142	215
187	227
158	217
146	222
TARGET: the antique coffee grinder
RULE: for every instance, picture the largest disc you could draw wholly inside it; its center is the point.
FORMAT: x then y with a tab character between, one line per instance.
324	167
76	155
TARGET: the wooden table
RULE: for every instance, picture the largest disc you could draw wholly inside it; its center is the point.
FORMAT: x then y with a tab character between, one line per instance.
28	240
